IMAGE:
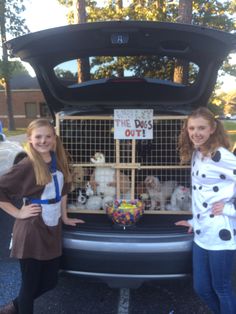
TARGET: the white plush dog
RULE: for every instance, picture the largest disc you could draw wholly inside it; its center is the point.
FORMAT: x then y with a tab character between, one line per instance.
103	179
180	199
94	202
103	176
158	191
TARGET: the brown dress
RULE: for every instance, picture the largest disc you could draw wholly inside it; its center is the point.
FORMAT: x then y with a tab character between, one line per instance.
36	237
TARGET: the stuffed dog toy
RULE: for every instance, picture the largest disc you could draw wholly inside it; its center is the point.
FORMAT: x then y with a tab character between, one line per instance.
180	199
158	191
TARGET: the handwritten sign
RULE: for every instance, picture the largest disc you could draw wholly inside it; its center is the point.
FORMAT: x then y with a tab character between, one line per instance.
133	124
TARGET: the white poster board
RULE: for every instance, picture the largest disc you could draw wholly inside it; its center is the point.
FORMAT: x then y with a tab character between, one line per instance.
133	124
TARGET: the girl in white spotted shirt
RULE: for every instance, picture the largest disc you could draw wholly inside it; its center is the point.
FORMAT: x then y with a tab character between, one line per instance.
204	141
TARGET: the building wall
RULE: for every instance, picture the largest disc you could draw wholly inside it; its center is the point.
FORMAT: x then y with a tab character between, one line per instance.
22	102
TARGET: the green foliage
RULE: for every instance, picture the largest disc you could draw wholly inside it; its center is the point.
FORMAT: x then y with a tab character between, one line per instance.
138	66
12	24
60	73
224	103
211	13
230	125
15	24
149	10
215	14
229	68
15	68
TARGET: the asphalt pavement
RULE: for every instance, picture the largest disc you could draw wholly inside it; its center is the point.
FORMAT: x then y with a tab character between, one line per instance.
75	295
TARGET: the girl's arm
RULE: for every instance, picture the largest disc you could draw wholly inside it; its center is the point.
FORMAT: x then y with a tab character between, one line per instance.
185	223
26	211
227	209
66	220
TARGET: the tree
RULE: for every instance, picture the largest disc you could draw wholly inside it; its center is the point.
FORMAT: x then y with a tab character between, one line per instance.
228	100
83	63
79	11
15	67
211	13
181	73
77	14
13	24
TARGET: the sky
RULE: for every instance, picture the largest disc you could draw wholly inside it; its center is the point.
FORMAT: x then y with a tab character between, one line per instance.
43	14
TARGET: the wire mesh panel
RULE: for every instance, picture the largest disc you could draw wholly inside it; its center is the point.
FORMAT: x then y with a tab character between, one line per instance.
84	137
105	168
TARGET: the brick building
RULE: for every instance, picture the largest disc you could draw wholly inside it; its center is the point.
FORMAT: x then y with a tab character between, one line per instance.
28	102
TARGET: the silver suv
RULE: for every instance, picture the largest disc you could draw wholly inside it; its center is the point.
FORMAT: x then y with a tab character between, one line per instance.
148	73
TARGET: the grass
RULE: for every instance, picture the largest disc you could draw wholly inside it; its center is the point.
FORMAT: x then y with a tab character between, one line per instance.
231	126
13	133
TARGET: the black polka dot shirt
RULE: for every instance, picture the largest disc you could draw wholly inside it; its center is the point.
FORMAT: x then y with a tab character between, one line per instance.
214	180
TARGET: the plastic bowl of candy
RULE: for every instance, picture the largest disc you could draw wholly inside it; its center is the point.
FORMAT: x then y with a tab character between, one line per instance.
125	213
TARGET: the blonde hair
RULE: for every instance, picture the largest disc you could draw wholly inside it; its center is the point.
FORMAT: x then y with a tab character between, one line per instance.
218	138
42	173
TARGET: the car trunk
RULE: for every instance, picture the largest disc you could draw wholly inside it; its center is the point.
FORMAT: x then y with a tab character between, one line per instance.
125	61
149	224
136	159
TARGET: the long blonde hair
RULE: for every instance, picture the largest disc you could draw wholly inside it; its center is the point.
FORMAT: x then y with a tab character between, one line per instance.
218	138
42	173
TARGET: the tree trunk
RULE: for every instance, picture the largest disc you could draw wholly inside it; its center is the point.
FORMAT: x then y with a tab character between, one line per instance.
185	11
119	6
181	72
6	74
82	63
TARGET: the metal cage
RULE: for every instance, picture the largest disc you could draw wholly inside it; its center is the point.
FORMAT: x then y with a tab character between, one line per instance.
131	161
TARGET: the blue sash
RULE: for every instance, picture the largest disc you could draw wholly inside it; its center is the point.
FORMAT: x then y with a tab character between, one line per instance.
53	169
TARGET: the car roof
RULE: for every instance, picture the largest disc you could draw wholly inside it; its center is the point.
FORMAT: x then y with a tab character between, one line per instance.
206	47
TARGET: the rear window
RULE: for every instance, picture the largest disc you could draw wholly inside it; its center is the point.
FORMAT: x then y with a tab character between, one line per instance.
150	67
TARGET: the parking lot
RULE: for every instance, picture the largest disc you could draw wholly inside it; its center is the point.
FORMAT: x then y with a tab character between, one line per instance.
73	295
76	295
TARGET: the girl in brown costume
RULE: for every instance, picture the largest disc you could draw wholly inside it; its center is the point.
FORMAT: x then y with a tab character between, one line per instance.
42	181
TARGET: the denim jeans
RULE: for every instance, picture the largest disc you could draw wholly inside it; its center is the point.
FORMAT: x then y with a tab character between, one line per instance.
212	274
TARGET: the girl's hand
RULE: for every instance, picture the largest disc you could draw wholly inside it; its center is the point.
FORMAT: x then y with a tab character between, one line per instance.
185	223
27	211
72	221
217	208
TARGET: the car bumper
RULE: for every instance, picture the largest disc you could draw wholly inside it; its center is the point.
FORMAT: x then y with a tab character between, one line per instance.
126	260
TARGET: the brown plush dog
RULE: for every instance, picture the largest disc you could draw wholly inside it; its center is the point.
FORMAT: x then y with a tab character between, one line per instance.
78	178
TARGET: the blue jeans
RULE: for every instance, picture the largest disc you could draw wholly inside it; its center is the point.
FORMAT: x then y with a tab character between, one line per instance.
212	273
